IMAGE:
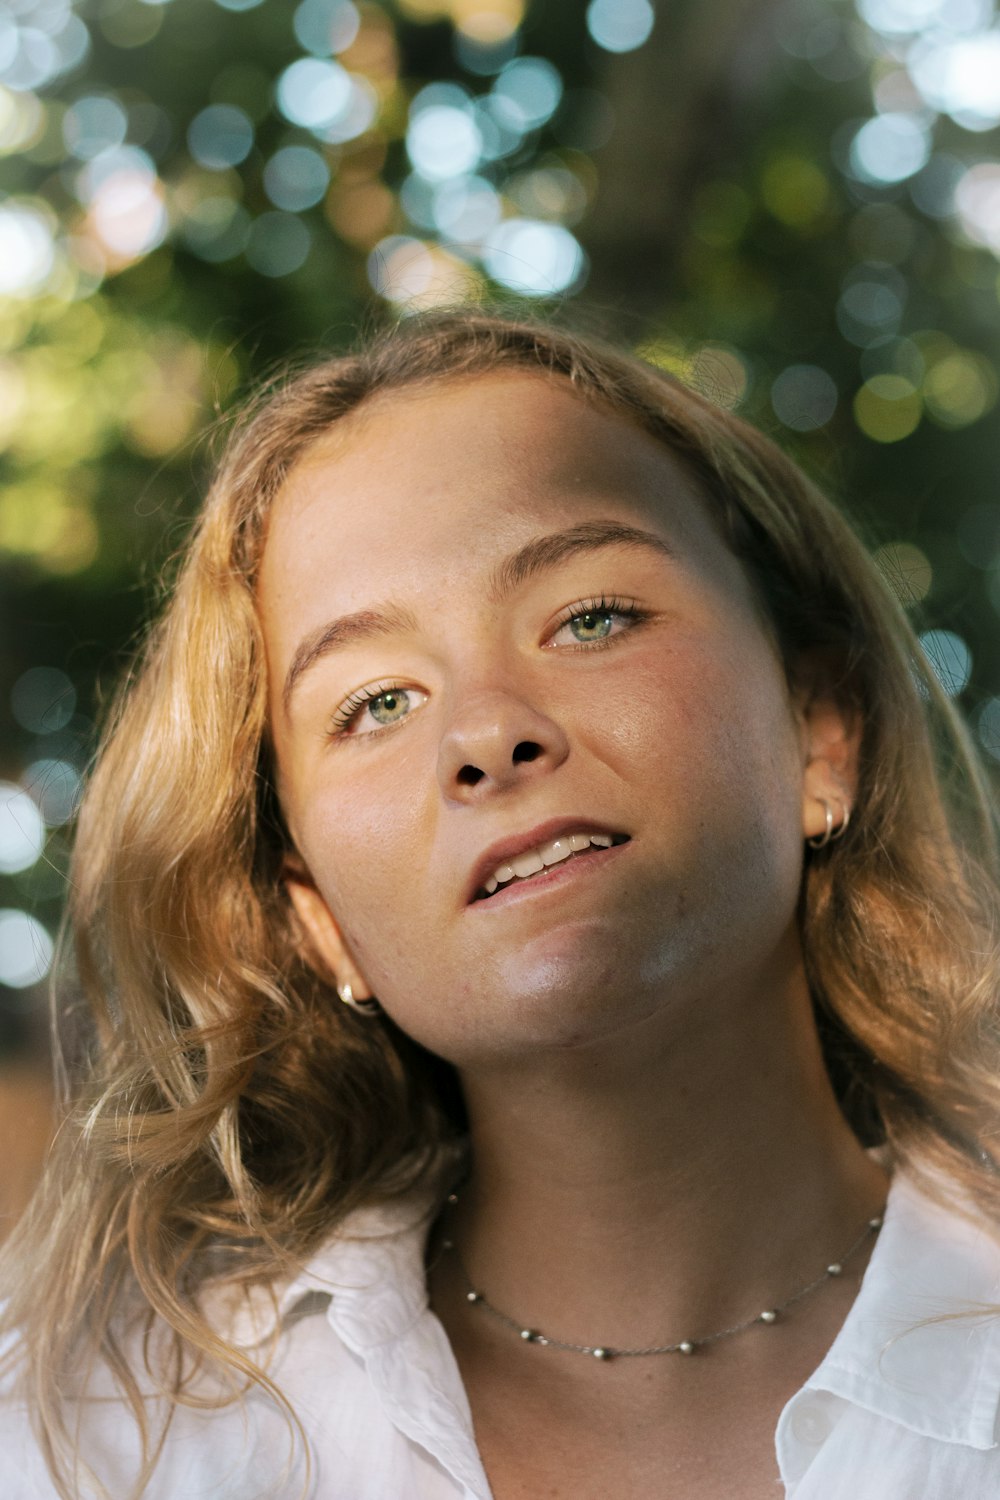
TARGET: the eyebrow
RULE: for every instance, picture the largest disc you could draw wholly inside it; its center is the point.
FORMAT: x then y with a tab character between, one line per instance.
535	557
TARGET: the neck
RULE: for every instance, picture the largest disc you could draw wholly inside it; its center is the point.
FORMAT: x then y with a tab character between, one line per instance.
666	1182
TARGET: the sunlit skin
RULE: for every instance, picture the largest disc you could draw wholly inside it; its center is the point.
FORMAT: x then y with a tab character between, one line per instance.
656	1148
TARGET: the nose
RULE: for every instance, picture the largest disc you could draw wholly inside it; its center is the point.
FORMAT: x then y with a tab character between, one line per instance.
495	741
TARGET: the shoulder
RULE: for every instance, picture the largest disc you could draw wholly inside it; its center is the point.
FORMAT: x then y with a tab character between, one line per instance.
311	1334
247	1448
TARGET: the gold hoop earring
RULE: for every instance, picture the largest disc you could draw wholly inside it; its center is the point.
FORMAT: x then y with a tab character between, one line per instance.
363	1007
820	840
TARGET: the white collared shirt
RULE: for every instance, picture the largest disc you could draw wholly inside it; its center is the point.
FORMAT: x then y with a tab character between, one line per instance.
899	1409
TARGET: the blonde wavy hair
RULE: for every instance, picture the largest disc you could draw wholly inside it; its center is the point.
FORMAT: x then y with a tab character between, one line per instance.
223	1113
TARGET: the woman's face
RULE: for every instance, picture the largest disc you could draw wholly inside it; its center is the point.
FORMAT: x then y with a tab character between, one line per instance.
502	633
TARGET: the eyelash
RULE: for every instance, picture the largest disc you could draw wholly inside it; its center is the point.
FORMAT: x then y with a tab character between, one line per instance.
352	706
349	710
602	605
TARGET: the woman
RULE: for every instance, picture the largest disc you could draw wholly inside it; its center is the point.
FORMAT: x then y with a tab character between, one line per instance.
527	942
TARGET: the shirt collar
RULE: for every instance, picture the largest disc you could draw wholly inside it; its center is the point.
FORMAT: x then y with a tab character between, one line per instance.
373	1273
939	1378
373	1270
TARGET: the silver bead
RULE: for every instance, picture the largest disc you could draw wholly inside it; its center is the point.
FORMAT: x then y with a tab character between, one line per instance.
529	1335
769	1316
471	1296
835	1269
601	1353
685	1347
875	1223
452	1197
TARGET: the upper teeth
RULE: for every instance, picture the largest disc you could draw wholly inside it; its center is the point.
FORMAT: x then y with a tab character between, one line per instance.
522	866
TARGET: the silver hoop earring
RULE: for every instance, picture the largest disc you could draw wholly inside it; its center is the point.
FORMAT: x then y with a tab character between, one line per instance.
363	1007
820	840
841	828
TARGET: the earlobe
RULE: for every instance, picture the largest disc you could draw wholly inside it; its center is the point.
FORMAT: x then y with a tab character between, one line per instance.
826	804
326	949
836	825
830	737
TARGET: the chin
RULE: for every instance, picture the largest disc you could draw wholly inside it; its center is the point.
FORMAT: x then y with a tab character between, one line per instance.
560	1005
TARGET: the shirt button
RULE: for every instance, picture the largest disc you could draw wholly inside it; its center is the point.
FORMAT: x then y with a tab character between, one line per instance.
811	1424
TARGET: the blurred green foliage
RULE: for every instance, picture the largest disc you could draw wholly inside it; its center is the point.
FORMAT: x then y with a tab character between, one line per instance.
796	207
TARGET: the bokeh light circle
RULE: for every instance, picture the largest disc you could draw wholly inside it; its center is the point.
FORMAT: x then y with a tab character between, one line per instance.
314	93
22	829
358	114
26	949
977	204
220	136
295	178
906	569
720	373
890	148
129	213
533	257
988	727
94	124
415	275
27	248
950	659
868	309
888	408
528	92
465	209
961	78
400	268
55	785
35	60
960	388
443	142
22	120
620	25
804	397
43	700
324	27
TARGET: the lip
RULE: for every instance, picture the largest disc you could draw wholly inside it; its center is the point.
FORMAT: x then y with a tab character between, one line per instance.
505	850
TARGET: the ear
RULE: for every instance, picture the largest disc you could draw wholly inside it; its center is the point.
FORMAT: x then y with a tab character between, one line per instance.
830	737
326	949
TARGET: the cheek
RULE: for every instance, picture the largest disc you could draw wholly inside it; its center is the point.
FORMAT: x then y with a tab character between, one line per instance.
365	841
699	708
753	787
710	735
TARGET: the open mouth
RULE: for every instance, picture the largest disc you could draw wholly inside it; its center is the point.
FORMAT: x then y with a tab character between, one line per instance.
548	856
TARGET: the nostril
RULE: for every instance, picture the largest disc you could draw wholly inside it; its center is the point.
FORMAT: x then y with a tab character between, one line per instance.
524	752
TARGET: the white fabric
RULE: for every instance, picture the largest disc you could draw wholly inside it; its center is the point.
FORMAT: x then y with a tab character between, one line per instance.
899	1408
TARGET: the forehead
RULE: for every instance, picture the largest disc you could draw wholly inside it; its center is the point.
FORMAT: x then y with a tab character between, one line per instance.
481	459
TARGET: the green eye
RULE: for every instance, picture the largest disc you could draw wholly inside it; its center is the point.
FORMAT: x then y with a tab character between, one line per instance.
592	626
389	707
597	621
370	710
